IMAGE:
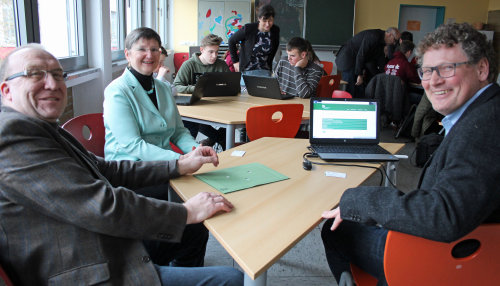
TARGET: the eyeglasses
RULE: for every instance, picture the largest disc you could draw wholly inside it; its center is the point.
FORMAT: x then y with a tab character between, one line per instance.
443	70
38	75
152	50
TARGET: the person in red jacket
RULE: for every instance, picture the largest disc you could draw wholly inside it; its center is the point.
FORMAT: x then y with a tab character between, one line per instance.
399	65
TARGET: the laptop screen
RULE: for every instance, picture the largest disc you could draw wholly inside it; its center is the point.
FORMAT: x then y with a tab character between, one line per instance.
344	121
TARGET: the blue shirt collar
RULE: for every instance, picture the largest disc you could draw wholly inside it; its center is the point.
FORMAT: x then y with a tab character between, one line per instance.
452	118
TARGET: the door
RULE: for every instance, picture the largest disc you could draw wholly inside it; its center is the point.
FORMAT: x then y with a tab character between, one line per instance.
420	20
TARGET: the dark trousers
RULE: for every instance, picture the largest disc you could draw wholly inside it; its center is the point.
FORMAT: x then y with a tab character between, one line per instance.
355	243
190	252
357	91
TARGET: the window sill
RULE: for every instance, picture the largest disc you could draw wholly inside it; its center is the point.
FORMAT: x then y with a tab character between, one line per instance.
81	76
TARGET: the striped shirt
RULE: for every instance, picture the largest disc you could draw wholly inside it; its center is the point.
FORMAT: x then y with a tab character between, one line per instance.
299	82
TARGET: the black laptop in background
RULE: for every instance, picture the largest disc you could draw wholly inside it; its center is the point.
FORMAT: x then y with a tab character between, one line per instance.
268	87
212	84
346	129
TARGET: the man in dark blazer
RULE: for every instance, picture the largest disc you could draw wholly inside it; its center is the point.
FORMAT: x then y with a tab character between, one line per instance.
67	217
363	56
459	188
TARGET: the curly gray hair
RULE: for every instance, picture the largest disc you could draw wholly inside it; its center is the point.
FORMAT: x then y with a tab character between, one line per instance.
473	43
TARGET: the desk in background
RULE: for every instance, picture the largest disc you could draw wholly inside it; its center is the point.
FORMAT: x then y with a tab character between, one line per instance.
230	111
269	220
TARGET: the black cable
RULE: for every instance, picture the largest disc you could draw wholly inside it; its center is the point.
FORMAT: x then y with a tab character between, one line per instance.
381	169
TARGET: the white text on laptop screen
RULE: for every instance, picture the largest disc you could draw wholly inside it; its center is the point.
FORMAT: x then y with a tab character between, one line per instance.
346	119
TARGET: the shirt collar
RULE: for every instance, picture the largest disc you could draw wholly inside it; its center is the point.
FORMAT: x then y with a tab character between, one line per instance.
452	118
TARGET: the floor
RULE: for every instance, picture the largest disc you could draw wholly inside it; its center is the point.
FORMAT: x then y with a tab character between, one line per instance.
305	264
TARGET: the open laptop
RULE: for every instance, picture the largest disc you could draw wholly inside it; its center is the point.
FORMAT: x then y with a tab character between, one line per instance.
212	84
346	129
268	87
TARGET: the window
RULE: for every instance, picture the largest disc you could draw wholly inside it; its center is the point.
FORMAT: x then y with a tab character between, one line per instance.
59	25
8	40
122	22
59	34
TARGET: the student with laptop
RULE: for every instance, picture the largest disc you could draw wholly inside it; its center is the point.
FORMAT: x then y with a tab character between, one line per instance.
458	189
185	81
298	74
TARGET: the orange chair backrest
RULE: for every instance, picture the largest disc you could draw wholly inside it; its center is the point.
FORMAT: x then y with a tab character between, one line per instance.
411	260
95	124
341	94
327	66
265	121
179	59
327	84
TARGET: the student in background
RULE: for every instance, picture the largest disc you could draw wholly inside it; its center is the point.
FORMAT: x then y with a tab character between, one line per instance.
298	74
259	44
163	70
399	65
140	115
458	189
205	61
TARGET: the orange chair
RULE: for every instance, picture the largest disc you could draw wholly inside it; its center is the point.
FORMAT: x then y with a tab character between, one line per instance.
95	124
4	278
327	84
341	94
327	66
411	260
262	121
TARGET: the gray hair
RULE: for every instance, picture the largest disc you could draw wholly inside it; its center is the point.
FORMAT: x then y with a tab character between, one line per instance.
473	43
141	33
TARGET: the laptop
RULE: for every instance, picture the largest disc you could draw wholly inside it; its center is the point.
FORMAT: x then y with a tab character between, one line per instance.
268	87
346	129
212	84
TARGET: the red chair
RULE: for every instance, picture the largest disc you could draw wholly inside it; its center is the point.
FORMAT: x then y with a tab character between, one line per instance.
95	125
4	278
411	260
264	121
327	66
179	59
341	94
327	84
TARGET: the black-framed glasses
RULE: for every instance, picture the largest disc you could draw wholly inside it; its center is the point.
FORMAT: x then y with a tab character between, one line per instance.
37	75
443	70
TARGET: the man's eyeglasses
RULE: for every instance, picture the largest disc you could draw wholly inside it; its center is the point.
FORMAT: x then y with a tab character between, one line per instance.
37	75
443	70
152	50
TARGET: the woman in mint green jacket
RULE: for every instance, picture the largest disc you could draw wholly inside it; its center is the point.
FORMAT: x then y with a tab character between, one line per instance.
140	115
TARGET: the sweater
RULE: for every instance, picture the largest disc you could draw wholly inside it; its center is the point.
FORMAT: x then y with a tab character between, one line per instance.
185	81
296	81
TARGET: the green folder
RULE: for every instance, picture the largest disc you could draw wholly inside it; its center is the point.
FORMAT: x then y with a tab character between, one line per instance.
241	177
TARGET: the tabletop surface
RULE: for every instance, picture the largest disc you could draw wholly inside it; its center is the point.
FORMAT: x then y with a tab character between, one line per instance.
269	220
232	109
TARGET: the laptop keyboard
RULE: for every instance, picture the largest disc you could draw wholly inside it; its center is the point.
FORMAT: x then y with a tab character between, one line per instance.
356	149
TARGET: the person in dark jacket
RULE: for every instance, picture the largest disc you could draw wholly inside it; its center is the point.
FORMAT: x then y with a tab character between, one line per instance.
363	56
259	43
458	189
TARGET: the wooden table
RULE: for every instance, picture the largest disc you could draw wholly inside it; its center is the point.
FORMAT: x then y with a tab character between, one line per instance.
269	220
230	111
